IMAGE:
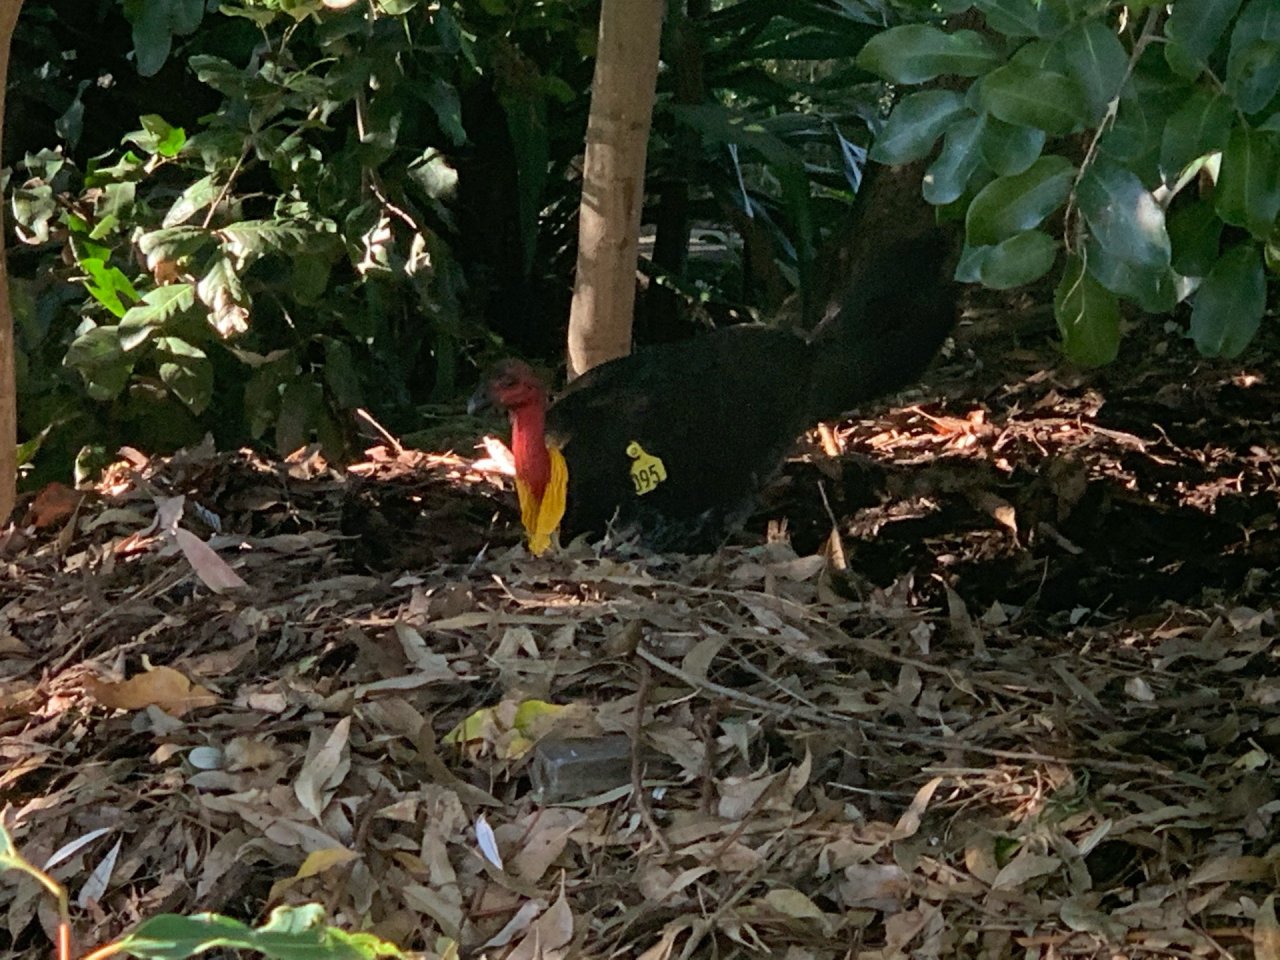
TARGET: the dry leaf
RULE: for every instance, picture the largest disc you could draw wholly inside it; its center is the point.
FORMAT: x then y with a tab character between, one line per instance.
162	687
209	567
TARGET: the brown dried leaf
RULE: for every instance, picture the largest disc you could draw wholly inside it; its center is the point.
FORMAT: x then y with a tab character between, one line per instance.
161	687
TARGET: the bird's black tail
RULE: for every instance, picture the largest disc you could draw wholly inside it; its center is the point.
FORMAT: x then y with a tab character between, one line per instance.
896	314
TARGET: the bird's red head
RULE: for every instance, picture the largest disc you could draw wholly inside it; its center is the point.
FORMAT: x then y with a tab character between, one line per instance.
512	385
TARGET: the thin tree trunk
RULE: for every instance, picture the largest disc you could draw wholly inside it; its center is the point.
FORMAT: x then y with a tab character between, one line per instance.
622	95
8	387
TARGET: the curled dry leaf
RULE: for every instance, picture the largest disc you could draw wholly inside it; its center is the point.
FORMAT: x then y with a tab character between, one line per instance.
162	687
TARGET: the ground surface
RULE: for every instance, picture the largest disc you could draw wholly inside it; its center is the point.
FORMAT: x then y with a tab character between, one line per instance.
1023	701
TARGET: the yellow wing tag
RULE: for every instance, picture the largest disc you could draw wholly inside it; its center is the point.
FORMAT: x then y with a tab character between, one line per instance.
542	517
647	472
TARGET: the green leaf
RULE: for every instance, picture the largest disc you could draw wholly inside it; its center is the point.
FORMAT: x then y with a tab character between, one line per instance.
1248	193
1253	64
100	359
173	245
1088	317
106	284
158	136
1033	98
1155	290
526	115
1019	260
186	371
1096	61
340	374
718	124
1196	26
1195	233
916	52
443	99
1020	18
948	176
157	308
1123	216
191	201
1009	149
1147	102
915	125
290	933
1010	205
248	240
1229	304
1200	126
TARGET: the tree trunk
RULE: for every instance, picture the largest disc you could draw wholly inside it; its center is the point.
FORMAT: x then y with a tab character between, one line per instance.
8	386
622	95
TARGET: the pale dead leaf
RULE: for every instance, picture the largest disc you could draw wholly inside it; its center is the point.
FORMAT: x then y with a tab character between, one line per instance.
1266	931
212	570
162	687
100	879
325	768
549	933
1025	866
545	842
518	923
909	822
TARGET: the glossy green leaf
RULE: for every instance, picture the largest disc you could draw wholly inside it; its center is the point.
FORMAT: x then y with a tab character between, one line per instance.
1253	64
155	23
1197	26
1035	98
1096	61
1134	139
916	52
1021	18
915	125
1229	304
1008	148
1019	260
948	176
1088	316
1248	193
1200	126
1010	205
1154	290
1123	216
1195	233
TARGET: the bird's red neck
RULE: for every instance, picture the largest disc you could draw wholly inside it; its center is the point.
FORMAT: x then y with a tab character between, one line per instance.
529	445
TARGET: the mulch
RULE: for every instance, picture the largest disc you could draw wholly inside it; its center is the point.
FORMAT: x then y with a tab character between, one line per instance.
999	678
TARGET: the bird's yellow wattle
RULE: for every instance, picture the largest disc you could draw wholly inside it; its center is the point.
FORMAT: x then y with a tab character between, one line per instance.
541	515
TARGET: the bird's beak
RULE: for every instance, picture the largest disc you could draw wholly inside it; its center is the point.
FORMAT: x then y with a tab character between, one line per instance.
479	401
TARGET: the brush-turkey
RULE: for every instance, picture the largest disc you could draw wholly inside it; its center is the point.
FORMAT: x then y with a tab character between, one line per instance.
675	439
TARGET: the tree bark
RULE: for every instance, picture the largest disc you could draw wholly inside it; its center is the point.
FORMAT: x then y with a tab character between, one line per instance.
8	386
622	94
